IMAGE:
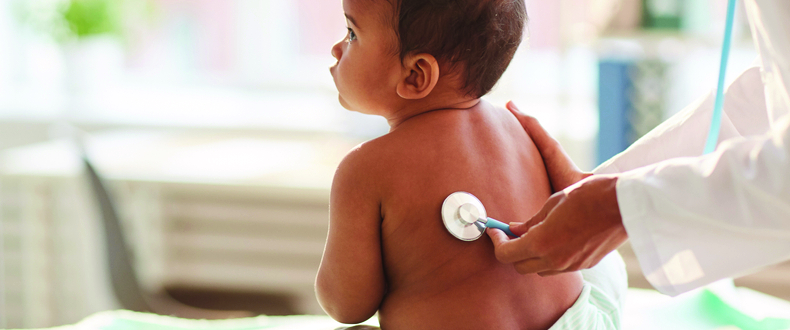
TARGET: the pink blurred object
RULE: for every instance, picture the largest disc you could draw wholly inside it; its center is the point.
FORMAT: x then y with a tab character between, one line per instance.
322	24
544	24
215	34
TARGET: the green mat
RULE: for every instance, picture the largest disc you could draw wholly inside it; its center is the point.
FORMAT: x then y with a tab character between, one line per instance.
717	307
720	306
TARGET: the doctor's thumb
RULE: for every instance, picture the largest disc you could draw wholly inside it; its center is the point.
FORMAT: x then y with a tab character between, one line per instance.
519	228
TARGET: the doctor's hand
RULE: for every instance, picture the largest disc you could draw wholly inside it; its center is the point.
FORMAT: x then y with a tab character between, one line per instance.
575	229
559	166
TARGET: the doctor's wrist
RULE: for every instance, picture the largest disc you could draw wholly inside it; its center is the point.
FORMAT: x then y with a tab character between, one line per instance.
599	194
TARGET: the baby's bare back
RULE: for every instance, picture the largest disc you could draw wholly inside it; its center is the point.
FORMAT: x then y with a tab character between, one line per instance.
436	281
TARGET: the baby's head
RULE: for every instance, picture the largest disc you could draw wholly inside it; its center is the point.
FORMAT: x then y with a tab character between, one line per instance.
398	51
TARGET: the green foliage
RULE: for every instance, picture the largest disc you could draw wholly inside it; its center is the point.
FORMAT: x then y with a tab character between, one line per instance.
92	17
77	19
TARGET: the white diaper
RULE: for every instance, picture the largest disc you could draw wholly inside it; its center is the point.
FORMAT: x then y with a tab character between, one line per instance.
602	299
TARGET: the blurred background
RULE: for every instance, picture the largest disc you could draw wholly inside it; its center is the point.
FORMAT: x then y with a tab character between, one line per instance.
216	129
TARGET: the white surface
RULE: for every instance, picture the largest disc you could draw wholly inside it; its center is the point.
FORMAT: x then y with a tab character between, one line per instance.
692	221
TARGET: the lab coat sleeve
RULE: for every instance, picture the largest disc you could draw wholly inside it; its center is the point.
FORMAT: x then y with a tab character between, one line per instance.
692	221
684	134
770	26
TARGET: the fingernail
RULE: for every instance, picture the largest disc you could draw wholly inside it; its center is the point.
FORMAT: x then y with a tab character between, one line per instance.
514	106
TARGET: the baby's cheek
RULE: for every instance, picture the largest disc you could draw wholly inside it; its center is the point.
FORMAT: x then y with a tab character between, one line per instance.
353	87
361	79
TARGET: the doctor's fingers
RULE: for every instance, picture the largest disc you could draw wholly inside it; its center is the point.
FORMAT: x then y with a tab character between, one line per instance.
531	266
522	228
547	145
570	263
510	251
586	260
497	236
561	169
522	248
518	228
548	264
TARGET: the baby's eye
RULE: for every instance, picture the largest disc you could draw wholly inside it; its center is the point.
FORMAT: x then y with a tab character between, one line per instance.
351	35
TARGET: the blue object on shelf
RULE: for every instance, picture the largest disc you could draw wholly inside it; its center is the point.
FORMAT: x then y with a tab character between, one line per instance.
631	102
614	102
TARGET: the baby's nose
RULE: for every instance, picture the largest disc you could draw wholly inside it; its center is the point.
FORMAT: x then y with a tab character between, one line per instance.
337	50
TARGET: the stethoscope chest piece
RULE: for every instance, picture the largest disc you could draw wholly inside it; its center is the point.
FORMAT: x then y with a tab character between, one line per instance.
460	213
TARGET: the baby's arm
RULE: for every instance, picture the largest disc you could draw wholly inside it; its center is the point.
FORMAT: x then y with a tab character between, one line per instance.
351	284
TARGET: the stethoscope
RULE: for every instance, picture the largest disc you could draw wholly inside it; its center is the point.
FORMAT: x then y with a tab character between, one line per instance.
464	215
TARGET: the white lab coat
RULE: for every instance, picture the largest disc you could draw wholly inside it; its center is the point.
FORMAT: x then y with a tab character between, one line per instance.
696	219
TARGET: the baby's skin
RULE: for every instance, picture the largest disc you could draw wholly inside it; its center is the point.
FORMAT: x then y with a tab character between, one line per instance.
388	250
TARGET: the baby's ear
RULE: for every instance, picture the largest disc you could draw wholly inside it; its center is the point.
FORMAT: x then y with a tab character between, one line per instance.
420	75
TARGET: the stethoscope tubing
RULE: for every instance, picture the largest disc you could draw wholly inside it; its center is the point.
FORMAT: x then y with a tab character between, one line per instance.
718	107
493	223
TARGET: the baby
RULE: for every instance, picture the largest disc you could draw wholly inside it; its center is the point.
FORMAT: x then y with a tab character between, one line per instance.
424	66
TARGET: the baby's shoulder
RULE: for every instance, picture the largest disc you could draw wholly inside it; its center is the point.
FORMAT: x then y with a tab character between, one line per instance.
367	152
363	159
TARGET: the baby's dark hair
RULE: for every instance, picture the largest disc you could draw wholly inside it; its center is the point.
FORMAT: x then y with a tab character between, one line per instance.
481	36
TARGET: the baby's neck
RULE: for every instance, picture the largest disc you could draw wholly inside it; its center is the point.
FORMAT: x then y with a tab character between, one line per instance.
414	109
